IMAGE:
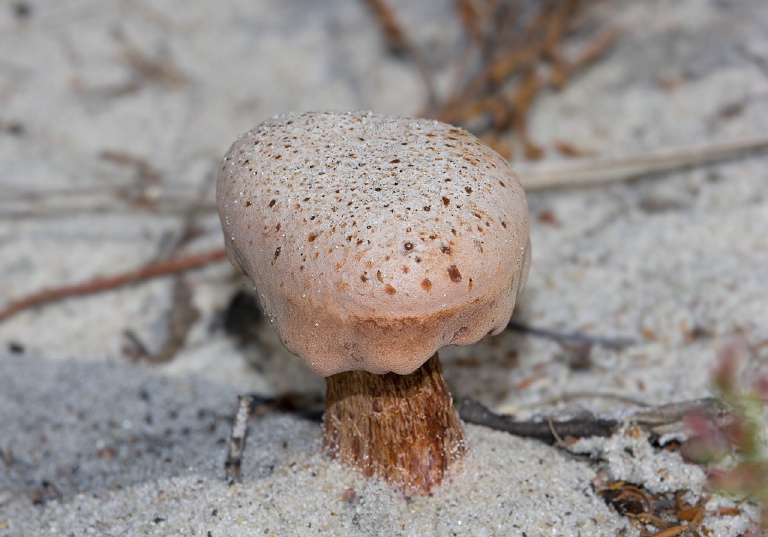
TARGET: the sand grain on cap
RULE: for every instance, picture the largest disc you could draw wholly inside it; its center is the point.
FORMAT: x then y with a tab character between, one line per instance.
374	240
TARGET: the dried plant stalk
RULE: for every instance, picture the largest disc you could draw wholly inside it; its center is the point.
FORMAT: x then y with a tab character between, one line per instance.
604	170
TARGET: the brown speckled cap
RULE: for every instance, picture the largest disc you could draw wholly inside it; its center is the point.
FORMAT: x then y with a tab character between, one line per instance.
374	240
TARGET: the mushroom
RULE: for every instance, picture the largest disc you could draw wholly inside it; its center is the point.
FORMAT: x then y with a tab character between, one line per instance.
372	241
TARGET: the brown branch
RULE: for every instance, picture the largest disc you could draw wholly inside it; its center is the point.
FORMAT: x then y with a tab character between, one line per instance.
594	49
512	47
469	19
474	412
492	74
97	285
399	43
656	421
146	172
181	319
394	35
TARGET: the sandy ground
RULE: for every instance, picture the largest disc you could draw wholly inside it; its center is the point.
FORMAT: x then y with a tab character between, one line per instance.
93	443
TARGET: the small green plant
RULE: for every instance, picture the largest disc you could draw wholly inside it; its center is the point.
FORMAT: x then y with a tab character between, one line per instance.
734	446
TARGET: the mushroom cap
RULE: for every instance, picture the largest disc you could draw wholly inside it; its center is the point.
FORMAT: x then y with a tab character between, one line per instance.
374	240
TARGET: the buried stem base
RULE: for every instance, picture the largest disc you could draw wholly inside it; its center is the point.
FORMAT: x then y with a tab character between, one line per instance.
402	428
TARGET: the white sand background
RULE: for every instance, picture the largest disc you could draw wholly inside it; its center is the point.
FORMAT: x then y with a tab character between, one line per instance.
131	449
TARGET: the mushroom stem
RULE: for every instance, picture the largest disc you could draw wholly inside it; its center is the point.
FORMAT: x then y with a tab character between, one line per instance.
402	428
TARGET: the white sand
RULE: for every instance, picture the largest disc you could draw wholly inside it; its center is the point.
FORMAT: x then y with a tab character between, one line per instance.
139	450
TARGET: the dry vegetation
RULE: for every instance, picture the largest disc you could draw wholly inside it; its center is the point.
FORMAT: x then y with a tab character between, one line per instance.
512	52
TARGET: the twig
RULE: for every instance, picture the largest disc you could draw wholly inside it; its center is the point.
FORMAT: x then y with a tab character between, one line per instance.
253	404
599	171
146	172
454	110
559	442
581	427
468	17
657	421
182	317
518	52
233	464
573	396
171	208
571	337
399	42
118	199
112	282
593	50
393	32
183	314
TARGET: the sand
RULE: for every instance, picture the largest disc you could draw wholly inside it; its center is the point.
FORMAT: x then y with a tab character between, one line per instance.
94	443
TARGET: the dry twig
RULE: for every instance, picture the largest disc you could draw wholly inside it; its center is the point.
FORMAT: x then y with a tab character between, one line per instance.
182	317
571	337
602	170
657	421
512	52
517	53
399	42
661	515
234	462
97	285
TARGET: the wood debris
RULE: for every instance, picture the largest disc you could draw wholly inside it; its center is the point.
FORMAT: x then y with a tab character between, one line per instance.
661	515
233	464
97	285
512	52
660	421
